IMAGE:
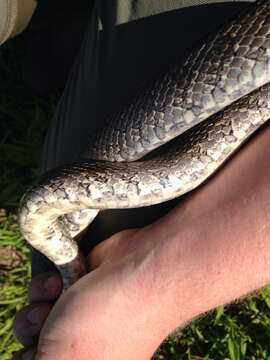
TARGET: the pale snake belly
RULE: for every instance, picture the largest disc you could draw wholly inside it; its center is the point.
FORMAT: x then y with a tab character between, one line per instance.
228	72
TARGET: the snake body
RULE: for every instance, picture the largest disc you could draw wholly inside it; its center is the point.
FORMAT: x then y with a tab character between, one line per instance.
229	72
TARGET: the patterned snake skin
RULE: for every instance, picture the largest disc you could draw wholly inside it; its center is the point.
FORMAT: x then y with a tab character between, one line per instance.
230	71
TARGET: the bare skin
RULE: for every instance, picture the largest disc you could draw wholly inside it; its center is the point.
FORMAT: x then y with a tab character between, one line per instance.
210	250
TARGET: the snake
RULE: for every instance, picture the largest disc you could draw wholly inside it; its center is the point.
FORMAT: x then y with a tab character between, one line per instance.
197	113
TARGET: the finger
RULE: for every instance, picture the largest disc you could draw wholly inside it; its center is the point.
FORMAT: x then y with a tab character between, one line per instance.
45	287
29	321
97	255
28	354
114	247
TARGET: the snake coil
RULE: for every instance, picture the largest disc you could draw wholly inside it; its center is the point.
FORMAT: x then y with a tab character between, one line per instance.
228	72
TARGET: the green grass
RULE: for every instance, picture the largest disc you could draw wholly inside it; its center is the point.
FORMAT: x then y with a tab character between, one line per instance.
15	273
240	331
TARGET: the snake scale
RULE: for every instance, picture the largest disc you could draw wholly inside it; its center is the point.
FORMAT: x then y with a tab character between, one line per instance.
224	80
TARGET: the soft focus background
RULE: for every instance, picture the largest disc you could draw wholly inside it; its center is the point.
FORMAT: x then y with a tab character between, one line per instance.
240	331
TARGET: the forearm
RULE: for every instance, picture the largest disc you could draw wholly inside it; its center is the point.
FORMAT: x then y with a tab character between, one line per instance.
211	249
215	246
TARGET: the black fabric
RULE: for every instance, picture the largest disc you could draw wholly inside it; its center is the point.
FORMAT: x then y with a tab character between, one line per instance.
49	56
54	38
110	66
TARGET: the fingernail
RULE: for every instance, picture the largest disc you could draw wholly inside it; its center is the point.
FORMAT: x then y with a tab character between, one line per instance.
34	316
50	284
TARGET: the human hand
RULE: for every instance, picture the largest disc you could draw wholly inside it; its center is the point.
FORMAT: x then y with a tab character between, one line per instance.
214	245
113	286
42	293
